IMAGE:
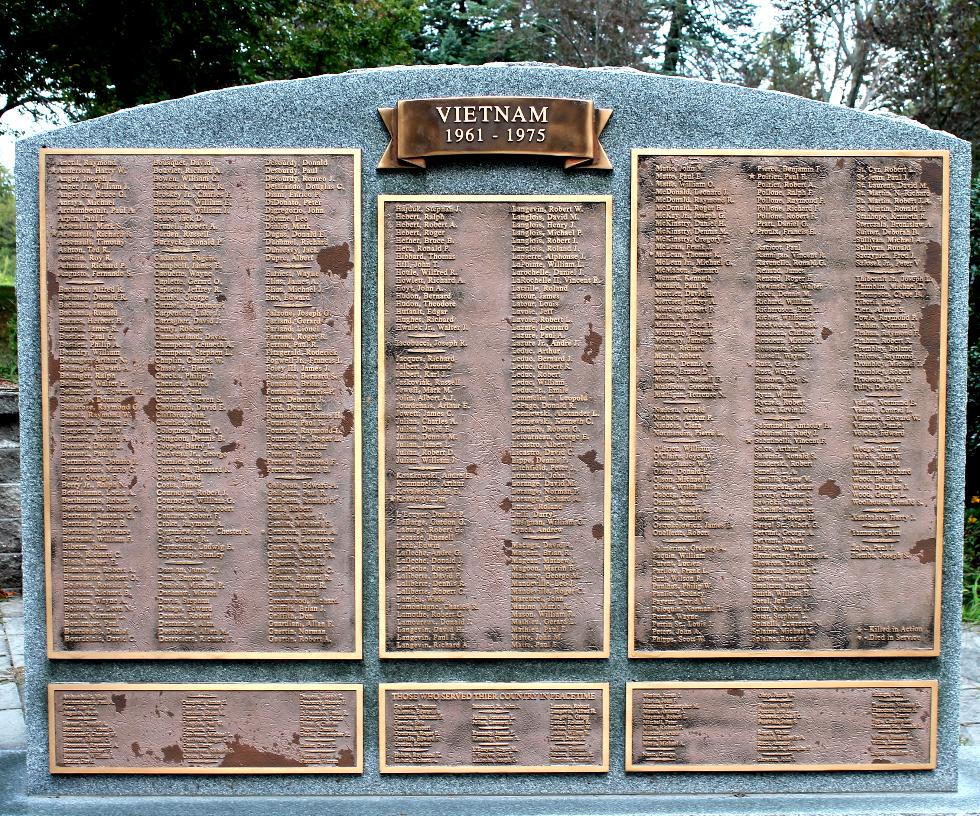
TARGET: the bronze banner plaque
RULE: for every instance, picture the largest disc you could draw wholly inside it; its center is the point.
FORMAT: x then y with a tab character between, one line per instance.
494	728
788	392
528	125
200	314
782	726
210	728
494	426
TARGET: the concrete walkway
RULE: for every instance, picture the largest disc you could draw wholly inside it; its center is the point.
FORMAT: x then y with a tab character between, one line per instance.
970	686
11	672
12	676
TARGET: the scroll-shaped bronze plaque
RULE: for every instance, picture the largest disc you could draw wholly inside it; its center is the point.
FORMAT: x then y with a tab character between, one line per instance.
493	727
200	329
788	387
530	125
207	728
800	725
494	425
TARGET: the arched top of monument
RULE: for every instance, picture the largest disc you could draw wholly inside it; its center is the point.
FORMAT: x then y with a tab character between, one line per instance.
649	110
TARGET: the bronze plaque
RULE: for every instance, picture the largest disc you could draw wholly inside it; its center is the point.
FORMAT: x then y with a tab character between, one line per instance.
527	125
200	314
494	426
782	726
493	727
208	728
788	388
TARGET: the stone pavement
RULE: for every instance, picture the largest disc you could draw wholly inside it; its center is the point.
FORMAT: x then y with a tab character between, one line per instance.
12	675
11	672
970	686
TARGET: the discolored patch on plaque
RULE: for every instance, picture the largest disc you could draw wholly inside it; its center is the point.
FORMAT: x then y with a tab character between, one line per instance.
209	728
782	726
789	350
494	728
199	465
494	439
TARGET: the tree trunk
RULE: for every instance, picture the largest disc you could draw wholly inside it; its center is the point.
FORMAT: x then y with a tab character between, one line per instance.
672	48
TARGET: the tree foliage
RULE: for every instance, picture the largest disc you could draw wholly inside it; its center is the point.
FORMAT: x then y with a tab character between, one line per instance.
973	361
931	63
326	36
700	37
96	56
820	49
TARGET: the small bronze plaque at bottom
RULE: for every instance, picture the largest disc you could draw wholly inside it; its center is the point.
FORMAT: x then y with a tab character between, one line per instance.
206	728
494	727
782	726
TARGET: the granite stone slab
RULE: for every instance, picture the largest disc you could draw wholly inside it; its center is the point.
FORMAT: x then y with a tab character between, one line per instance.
649	111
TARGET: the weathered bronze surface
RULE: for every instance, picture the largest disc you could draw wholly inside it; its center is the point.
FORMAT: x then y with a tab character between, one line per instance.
565	128
789	726
201	403
788	392
494	728
214	728
494	426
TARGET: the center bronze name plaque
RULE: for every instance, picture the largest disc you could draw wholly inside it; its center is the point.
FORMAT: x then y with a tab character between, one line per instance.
493	728
788	391
201	381
782	726
210	728
494	425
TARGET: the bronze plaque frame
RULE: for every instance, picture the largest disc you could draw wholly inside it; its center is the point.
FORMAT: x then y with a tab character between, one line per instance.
932	685
384	653
357	688
633	652
385	768
60	654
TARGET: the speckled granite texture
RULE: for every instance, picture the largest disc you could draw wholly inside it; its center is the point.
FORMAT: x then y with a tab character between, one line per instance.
339	111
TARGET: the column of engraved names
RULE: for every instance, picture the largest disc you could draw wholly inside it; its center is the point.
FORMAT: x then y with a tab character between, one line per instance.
414	731
93	404
191	340
889	292
304	390
430	610
896	724
202	729
787	267
664	716
493	736
548	419
569	731
85	737
322	729
777	739
687	221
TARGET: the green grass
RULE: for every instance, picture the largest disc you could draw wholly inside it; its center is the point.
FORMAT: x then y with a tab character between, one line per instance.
971	561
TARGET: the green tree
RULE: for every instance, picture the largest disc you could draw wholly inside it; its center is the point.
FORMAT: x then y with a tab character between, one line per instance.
96	56
973	354
932	70
8	298
326	36
696	37
8	225
705	37
470	32
820	50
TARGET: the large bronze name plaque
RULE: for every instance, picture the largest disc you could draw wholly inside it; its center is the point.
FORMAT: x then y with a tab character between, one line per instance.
209	728
494	426
782	726
788	390
493	728
200	314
